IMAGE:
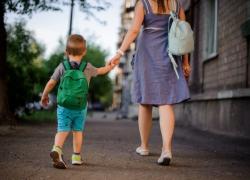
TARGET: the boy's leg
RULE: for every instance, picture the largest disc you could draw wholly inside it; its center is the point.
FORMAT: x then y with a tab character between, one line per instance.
78	126
63	128
77	141
77	147
56	154
60	138
64	123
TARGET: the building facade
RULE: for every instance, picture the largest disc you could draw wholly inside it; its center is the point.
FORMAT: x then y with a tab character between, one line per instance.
123	78
220	79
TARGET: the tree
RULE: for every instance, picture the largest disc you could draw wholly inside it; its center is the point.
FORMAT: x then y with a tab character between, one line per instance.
26	71
4	105
100	89
87	7
24	7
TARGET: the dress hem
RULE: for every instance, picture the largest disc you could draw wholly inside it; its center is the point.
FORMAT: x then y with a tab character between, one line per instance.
160	104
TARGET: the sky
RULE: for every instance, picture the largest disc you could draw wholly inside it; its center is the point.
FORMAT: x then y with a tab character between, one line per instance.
49	27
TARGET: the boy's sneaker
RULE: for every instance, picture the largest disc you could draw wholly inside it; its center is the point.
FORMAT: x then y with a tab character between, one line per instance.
76	159
57	158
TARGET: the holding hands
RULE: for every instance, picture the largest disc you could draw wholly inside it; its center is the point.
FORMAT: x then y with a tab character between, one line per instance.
115	60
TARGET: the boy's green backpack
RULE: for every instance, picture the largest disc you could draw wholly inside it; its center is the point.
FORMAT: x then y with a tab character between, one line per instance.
73	87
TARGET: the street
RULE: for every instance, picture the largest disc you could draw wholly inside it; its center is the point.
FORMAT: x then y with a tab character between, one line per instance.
109	154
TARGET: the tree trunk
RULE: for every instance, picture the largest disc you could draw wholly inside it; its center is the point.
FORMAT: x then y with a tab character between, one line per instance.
4	105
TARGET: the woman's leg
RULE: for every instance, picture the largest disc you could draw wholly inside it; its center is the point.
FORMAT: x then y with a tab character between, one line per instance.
167	122
145	124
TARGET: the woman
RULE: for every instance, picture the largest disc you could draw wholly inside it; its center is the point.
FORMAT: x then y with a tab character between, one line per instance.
154	80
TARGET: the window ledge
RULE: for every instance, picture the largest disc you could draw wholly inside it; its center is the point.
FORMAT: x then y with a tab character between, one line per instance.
224	94
210	57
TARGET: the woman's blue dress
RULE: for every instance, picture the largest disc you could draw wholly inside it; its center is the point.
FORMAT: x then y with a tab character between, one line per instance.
154	79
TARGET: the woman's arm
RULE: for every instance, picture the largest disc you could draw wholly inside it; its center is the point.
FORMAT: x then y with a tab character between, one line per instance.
135	27
185	60
132	32
183	17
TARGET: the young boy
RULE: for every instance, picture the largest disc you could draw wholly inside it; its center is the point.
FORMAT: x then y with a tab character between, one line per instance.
70	118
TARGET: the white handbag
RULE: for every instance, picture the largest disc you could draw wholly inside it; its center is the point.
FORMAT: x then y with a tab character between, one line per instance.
180	36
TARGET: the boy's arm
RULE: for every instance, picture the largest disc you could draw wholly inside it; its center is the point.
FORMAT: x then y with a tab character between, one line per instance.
48	88
104	70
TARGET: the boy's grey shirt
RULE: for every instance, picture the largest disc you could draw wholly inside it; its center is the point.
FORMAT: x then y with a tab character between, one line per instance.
90	71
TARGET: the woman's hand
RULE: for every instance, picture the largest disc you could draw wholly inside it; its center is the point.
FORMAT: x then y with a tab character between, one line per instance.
115	60
186	70
109	66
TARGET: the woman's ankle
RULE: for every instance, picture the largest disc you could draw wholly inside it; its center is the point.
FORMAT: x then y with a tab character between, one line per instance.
144	147
166	150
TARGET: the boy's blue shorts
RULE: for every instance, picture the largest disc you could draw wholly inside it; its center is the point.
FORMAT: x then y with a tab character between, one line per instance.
70	120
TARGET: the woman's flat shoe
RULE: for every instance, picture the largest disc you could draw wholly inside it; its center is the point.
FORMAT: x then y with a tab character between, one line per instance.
164	159
142	152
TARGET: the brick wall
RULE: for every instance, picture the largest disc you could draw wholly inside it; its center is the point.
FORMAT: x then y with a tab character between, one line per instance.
228	69
220	95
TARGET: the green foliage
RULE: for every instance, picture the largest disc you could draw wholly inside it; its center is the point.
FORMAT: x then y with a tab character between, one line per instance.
25	72
28	72
25	67
41	116
30	6
100	87
53	62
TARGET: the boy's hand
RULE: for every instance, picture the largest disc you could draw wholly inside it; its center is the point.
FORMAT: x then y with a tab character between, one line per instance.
110	66
45	100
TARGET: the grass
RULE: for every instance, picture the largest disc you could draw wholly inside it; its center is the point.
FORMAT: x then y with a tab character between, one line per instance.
41	116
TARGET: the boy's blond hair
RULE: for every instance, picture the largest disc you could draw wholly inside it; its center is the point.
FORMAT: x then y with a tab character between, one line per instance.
76	45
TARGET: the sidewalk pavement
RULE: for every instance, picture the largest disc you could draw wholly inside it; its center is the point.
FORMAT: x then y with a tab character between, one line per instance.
109	154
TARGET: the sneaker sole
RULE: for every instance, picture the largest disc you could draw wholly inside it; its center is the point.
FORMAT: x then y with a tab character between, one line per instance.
56	162
165	162
142	154
77	163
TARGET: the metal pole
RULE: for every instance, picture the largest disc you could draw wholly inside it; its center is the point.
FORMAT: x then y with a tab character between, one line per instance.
71	17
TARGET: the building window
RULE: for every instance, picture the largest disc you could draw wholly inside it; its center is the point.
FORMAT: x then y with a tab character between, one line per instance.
211	23
128	4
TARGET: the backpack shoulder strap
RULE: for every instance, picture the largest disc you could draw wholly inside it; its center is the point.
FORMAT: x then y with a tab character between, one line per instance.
175	7
83	65
66	65
178	8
